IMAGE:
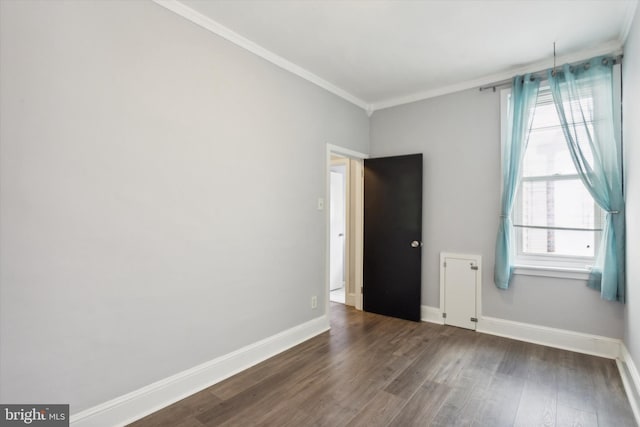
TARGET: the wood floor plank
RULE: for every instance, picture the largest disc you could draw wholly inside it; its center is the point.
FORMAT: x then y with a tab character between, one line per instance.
423	405
609	395
290	417
414	375
183	412
242	381
379	411
570	417
516	360
260	396
544	366
371	370
502	398
575	383
454	409
538	406
455	355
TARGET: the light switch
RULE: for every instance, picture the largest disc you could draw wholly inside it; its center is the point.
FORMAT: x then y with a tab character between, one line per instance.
320	203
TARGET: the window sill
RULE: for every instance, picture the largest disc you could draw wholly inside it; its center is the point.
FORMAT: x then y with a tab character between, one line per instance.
557	272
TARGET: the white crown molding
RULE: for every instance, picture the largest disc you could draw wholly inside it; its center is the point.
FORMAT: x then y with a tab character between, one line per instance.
632	5
630	380
205	22
224	32
613	47
153	397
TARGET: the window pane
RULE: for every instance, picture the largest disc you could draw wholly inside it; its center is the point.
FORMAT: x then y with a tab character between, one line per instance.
557	203
547	153
558	242
545	113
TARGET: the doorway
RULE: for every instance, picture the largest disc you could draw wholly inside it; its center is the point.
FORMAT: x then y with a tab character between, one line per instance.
338	213
345	195
405	206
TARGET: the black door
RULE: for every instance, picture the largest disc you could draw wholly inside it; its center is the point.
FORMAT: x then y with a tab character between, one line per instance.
393	236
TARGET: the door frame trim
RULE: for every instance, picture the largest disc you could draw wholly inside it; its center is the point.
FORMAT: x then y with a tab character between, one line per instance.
358	229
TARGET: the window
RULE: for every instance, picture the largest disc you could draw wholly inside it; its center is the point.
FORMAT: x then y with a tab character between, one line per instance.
557	224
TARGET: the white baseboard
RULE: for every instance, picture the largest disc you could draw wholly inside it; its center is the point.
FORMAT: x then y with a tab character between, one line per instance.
350	299
431	314
146	400
559	338
631	380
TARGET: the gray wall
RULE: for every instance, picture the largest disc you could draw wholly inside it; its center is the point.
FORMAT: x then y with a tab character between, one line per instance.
631	140
158	197
459	135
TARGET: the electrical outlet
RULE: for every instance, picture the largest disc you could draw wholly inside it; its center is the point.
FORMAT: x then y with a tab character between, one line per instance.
314	302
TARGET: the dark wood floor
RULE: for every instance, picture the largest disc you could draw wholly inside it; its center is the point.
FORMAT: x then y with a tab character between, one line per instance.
371	370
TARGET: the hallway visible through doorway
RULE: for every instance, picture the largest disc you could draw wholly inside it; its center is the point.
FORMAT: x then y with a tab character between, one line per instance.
339	175
344	225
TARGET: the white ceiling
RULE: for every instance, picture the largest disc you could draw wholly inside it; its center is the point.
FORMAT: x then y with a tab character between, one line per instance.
382	53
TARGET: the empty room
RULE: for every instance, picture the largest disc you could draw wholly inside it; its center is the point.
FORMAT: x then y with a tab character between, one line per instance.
320	213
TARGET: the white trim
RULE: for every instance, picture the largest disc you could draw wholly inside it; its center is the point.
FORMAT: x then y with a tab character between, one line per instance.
146	400
559	338
350	299
612	47
628	21
630	380
564	273
224	32
579	342
336	149
358	196
358	230
431	314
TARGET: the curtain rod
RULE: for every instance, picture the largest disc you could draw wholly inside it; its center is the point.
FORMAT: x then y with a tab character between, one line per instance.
540	74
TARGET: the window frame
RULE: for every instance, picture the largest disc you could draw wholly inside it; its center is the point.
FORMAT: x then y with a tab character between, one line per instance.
549	265
555	261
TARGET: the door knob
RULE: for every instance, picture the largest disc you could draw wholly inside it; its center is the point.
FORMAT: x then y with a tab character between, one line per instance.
416	244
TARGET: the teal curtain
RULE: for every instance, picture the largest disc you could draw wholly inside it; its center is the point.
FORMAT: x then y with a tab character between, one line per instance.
524	94
596	151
